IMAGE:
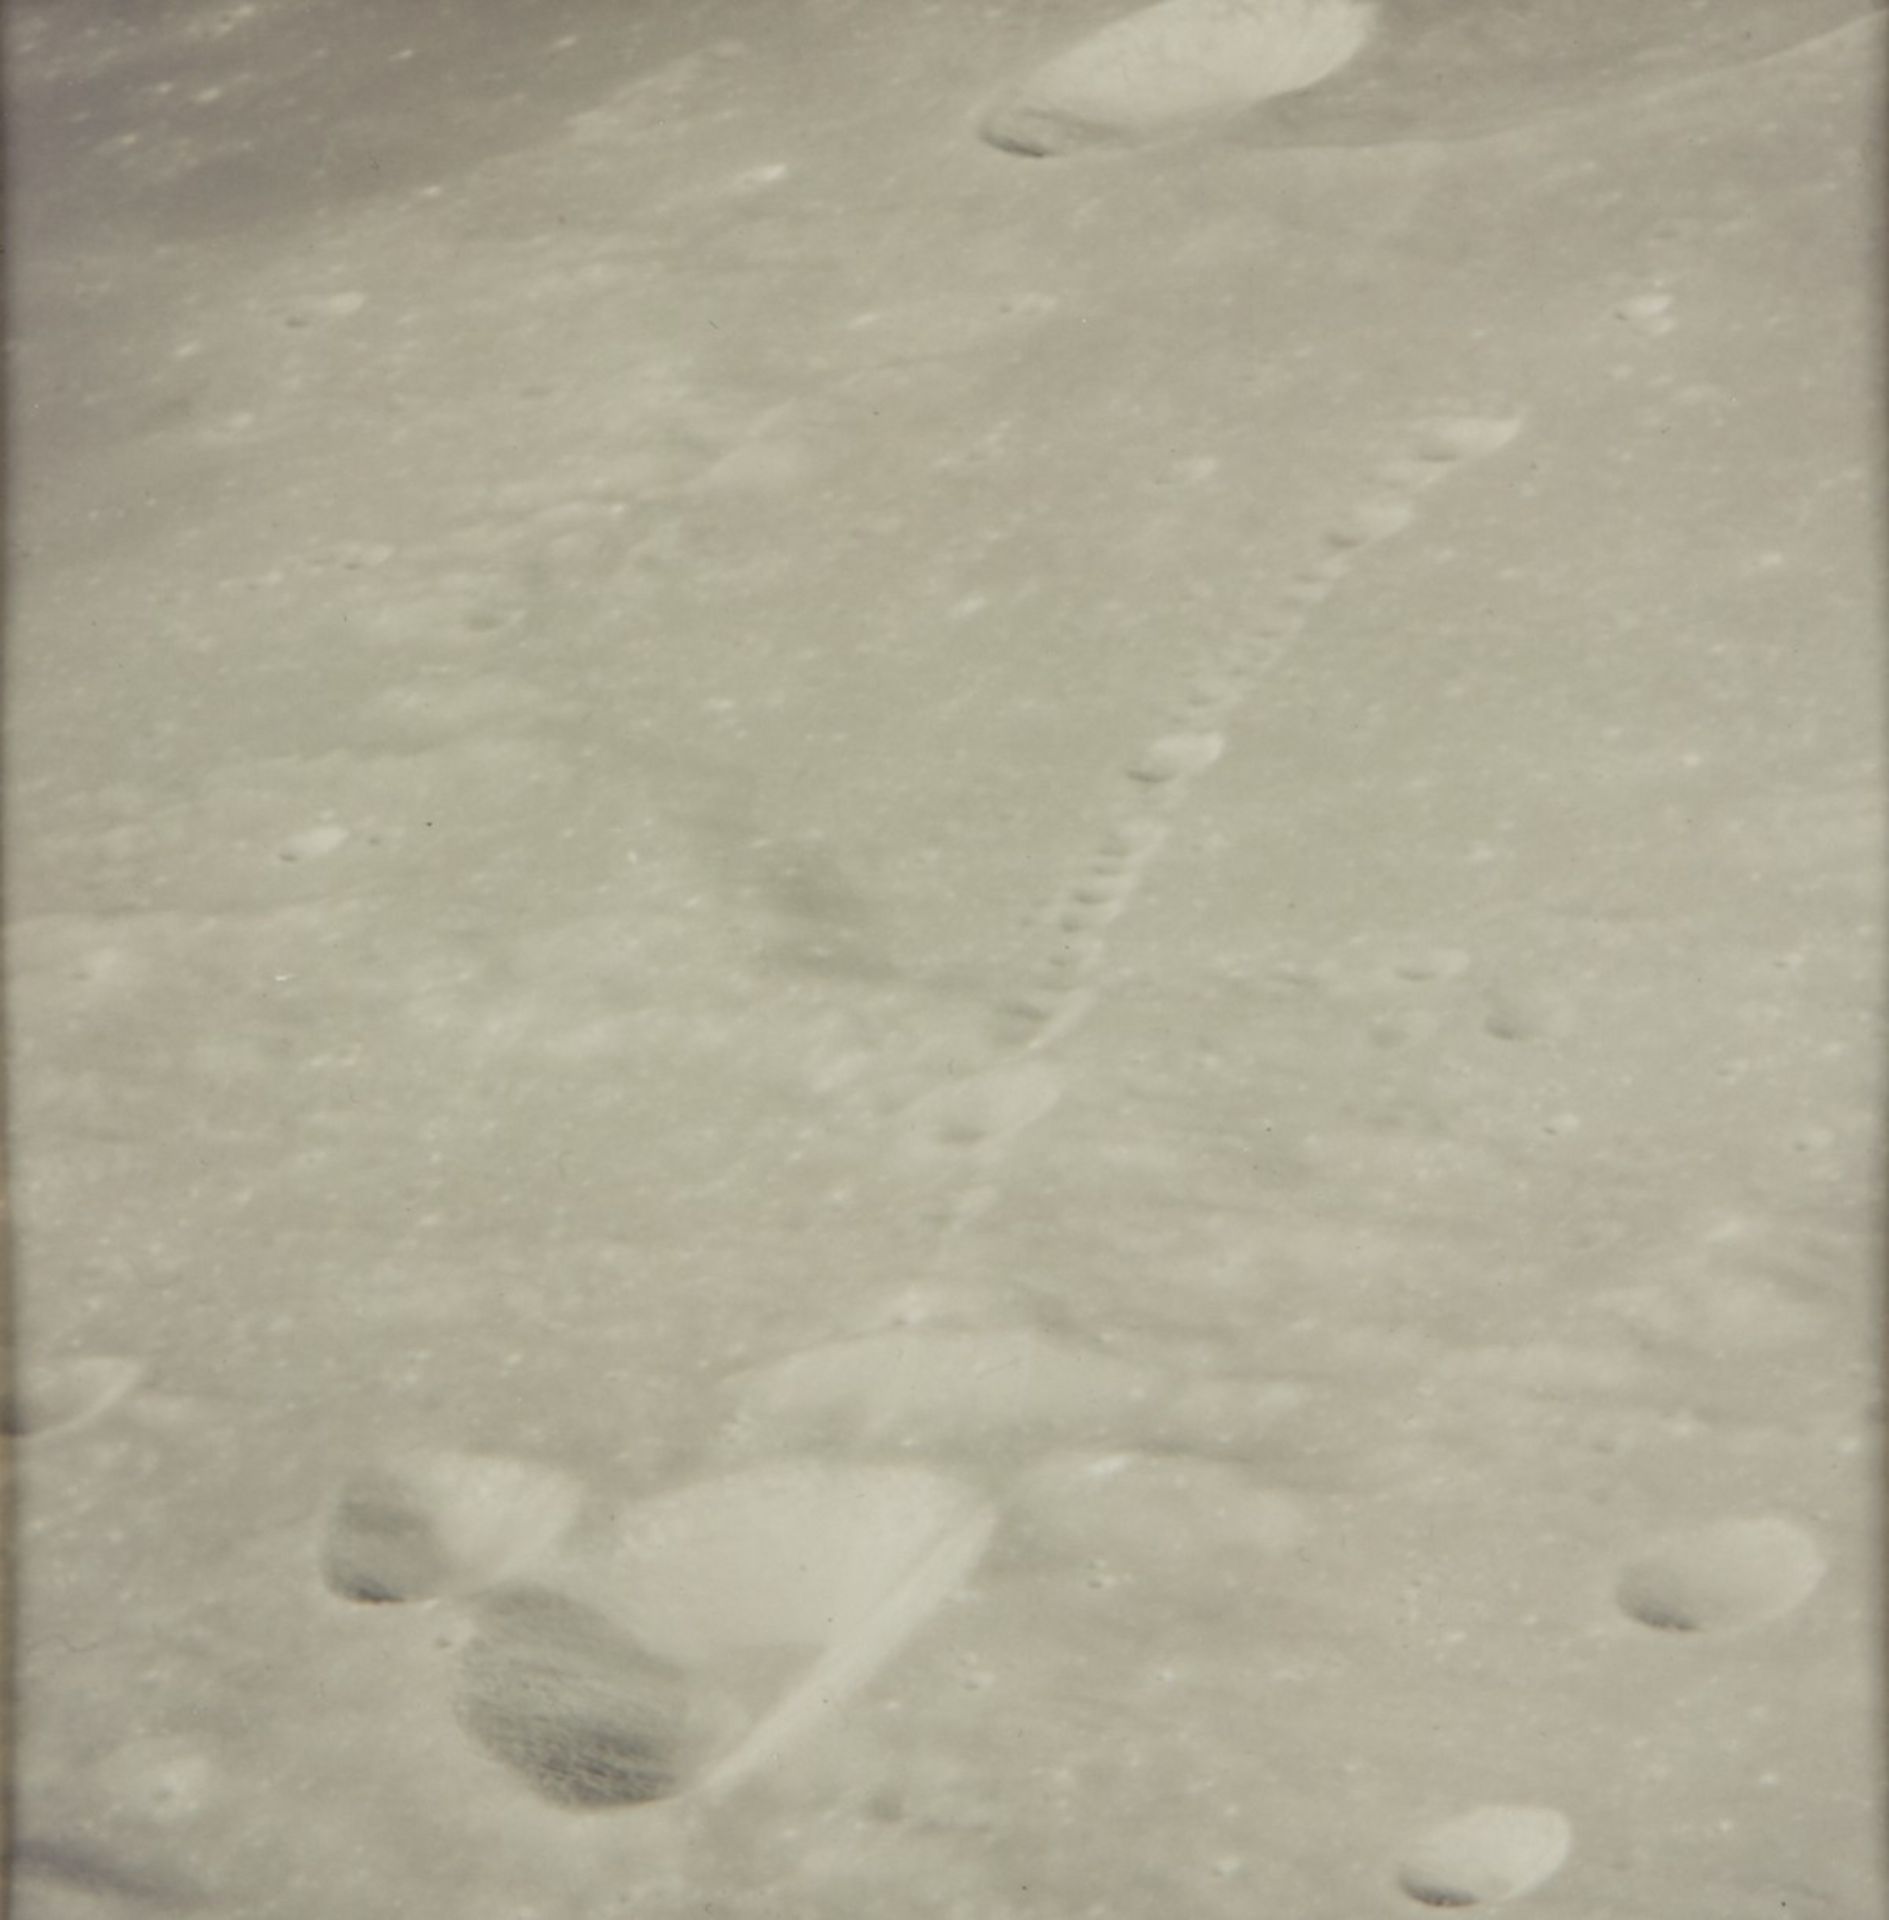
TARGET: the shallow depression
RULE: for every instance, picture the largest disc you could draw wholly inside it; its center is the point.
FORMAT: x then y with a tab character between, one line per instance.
1486	1856
1722	1578
1173	69
429	1524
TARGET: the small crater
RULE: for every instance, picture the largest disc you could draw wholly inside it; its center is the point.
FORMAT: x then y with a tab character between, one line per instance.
1312	591
1527	1013
1174	70
1370	521
995	1104
1215	692
1177	755
59	1395
1464	437
1134	842
1040	1019
1272	630
1486	1856
1431	968
313	843
1407	1027
433	1524
79	1870
1407	476
1084	916
1107	886
358	556
1648	313
1722	1578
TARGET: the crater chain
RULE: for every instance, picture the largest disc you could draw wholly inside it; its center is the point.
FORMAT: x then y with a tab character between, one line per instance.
955	1136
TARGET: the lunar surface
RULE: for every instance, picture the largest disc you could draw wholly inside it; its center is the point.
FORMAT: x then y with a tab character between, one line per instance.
1376	72
944	958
